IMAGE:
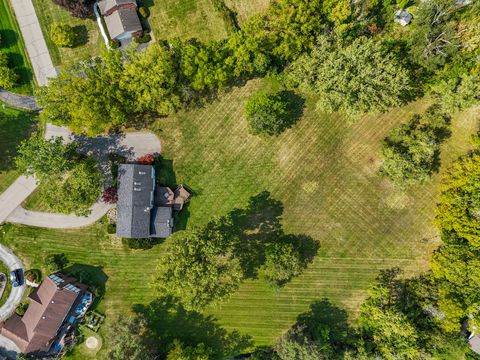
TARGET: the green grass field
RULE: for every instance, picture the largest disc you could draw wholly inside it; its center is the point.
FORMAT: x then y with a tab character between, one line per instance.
247	8
186	19
90	42
11	43
323	171
15	125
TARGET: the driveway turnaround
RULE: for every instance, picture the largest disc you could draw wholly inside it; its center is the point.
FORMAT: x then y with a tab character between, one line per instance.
15	195
34	41
58	221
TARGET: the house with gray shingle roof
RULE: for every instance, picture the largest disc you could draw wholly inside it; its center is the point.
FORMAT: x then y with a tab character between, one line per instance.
121	18
137	217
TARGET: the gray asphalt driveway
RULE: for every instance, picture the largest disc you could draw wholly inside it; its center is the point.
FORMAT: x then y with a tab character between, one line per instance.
12	262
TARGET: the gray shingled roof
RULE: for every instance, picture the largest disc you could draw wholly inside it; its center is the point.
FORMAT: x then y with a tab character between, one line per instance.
162	222
475	344
106	5
135	199
121	21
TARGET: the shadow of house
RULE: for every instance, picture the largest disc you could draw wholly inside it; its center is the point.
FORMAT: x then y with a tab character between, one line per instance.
168	321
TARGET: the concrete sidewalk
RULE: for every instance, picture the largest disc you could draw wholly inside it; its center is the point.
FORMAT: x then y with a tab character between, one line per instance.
16	193
34	41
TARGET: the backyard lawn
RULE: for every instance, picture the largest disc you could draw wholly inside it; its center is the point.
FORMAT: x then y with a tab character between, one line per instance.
11	43
15	125
90	41
324	174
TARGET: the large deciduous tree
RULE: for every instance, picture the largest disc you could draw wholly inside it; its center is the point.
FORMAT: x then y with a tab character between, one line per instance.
433	37
459	207
199	268
128	340
151	78
411	152
353	79
87	97
44	158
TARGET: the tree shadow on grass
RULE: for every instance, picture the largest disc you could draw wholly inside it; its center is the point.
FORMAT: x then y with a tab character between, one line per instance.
8	38
327	323
256	226
90	275
167	321
296	104
13	129
81	35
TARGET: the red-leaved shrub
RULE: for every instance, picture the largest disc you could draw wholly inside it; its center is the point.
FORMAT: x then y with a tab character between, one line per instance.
110	195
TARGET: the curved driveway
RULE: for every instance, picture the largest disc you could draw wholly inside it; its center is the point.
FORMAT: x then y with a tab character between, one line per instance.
12	262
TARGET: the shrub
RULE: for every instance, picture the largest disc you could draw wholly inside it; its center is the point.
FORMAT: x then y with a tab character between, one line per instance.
146	159
114	44
143	39
79	8
21	308
111	228
271	114
110	195
55	262
145	244
62	35
144	12
33	275
8	77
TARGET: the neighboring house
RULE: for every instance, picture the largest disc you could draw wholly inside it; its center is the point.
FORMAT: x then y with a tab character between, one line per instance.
402	17
143	209
474	342
54	308
121	18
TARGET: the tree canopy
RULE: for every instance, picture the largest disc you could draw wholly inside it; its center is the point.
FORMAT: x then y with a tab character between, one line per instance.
62	35
270	113
352	79
411	152
459	207
8	77
199	268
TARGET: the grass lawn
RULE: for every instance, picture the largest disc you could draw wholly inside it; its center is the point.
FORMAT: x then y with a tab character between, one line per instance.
90	41
247	8
35	201
323	171
15	125
12	43
185	19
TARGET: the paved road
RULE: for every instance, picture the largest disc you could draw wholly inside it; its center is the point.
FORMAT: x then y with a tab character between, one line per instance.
58	221
19	101
15	195
7	346
34	41
12	262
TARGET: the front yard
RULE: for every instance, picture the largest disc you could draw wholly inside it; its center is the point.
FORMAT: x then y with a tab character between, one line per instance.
11	43
15	125
90	42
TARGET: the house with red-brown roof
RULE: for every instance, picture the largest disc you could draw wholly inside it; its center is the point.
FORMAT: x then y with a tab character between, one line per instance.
54	308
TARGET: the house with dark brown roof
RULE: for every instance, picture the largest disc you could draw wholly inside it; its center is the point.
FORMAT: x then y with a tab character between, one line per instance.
121	18
54	308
